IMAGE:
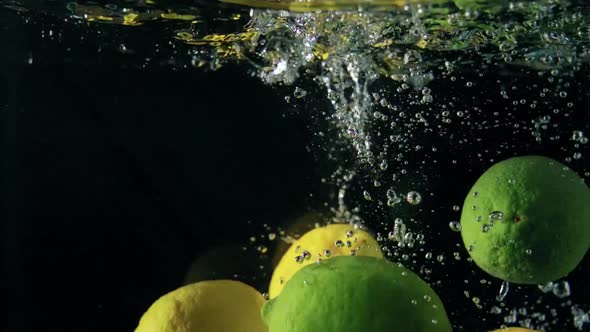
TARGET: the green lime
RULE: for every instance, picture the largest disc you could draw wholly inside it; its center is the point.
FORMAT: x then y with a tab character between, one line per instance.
355	294
527	220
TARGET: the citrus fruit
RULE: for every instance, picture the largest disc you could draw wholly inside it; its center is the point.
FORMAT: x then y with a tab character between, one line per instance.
356	294
322	243
514	329
294	228
527	220
207	306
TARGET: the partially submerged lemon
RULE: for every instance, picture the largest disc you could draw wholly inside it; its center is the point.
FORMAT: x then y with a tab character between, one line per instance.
527	220
356	294
207	306
319	244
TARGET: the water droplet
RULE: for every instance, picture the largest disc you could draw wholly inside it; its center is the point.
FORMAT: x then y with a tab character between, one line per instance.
367	196
339	243
456	208
529	252
327	253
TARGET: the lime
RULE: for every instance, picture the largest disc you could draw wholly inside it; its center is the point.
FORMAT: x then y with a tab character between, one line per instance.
322	243
207	306
527	220
356	294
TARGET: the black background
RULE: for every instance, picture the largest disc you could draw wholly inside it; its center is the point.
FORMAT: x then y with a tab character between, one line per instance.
114	179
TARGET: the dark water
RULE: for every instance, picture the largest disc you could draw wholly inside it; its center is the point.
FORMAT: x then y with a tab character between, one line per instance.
116	179
117	176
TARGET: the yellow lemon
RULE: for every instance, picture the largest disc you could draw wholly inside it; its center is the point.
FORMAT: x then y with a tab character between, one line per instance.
207	306
322	243
293	230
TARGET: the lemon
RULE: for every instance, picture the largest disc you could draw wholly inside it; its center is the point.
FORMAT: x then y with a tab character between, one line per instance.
294	228
356	294
207	306
527	220
322	243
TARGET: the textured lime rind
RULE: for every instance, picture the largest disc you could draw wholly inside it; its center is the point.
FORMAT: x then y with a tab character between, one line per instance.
356	294
544	231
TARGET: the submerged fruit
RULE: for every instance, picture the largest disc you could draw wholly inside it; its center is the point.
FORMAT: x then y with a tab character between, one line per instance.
527	220
207	306
322	243
356	294
294	229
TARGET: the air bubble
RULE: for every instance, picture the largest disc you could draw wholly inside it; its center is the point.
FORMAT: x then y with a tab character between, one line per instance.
561	289
503	291
496	216
414	198
455	226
